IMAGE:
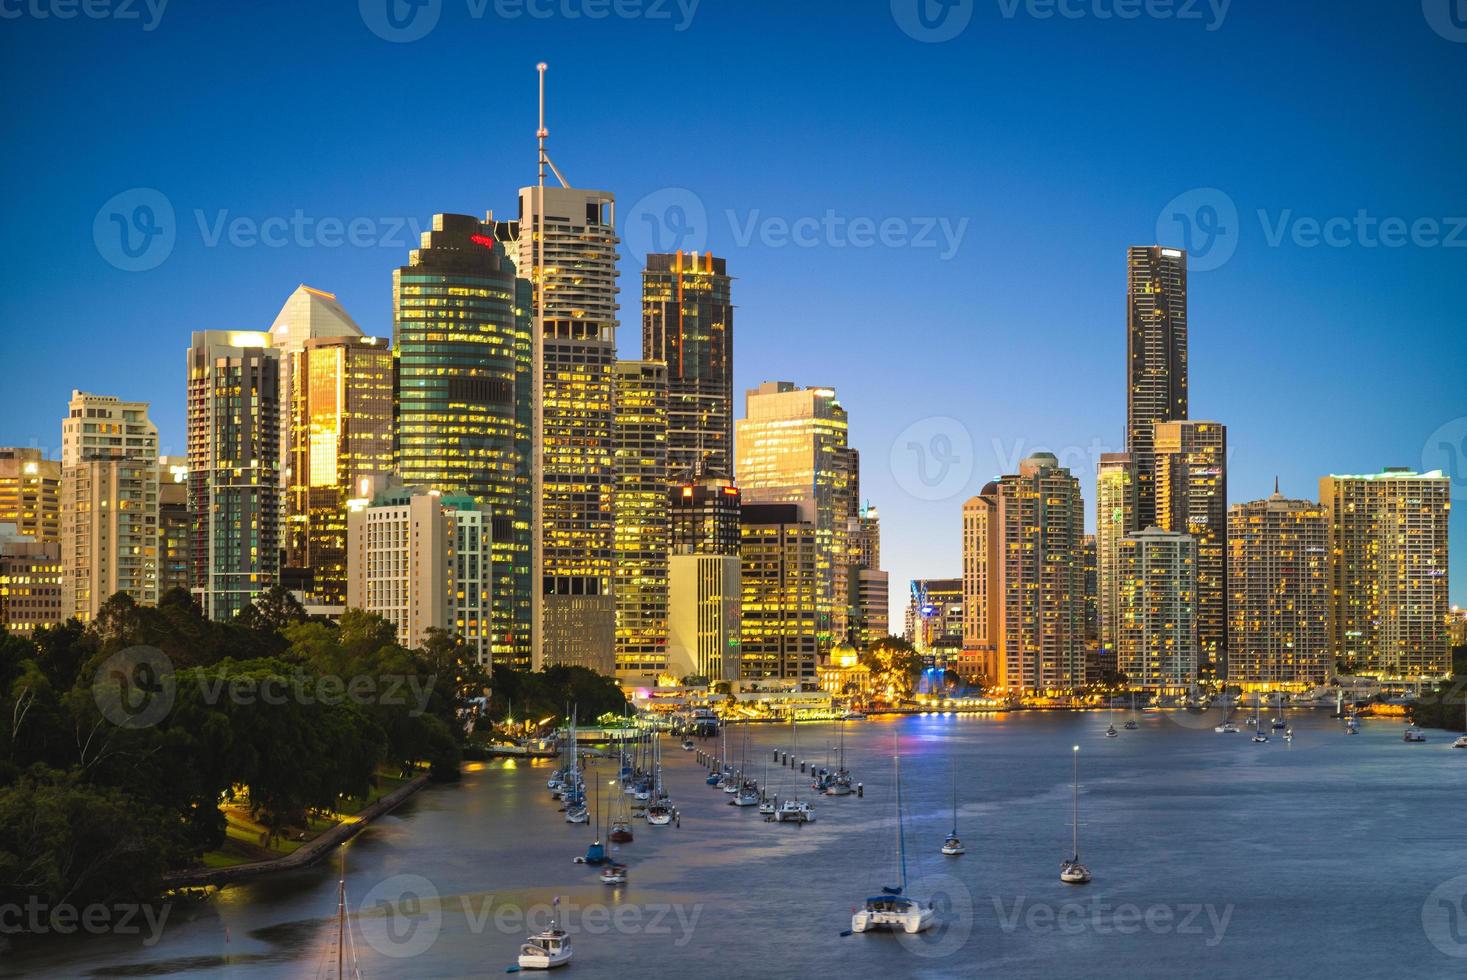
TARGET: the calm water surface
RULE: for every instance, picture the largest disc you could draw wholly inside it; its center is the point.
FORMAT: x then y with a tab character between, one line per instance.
1212	856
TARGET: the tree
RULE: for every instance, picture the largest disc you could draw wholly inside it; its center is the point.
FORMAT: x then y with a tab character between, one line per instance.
893	662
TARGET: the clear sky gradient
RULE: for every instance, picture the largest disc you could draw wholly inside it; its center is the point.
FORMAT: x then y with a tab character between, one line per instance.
994	181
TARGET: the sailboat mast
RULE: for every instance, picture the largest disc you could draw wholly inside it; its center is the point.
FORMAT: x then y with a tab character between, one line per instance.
1075	840
901	836
341	925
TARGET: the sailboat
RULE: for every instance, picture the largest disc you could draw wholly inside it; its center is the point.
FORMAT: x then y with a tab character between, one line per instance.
1461	742
893	909
953	846
748	792
839	783
1110	729
344	937
793	810
596	852
1278	721
1258	735
1131	725
548	949
766	802
1227	727
659	812
1072	872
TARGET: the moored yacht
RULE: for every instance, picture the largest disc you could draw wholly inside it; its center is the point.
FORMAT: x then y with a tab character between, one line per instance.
1413	734
1072	872
893	909
549	949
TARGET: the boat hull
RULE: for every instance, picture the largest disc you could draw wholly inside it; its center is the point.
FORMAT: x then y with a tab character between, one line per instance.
913	921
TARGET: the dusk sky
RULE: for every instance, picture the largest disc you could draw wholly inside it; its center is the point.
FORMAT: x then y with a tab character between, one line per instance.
937	229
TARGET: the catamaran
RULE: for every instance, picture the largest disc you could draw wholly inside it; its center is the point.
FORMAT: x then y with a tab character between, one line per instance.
1258	735
893	909
839	783
549	949
1227	727
793	810
1072	872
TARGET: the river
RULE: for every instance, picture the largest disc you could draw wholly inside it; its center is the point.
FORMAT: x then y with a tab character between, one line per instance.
1212	856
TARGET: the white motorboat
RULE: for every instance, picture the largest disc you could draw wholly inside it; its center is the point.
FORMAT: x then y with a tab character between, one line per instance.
746	796
1072	872
893	909
547	950
1226	728
614	874
1460	743
766	807
1413	734
577	814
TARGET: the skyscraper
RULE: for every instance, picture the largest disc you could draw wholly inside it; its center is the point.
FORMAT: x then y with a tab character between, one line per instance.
1191	496
30	493
1278	584
705	616
792	449
1156	359
30	582
687	322
639	508
981	617
1157	634
461	336
340	401
1115	517
1023	567
569	255
705	517
234	468
783	623
109	503
174	571
1388	572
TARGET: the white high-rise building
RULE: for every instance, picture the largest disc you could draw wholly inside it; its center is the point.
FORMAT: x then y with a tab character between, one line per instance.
704	606
109	503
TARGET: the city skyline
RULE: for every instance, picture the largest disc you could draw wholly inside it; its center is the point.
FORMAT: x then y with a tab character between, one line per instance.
825	314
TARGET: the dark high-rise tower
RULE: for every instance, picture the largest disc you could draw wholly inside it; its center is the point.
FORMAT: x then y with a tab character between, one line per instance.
461	333
1156	360
687	321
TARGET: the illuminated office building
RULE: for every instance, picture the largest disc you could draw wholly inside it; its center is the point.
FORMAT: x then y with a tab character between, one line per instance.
1157	634
871	585
30	493
1191	496
980	662
704	517
234	418
570	260
173	525
30	582
1278	603
340	419
109	503
1388	572
783	616
687	322
1156	360
1115	514
461	336
792	449
705	616
640	511
934	620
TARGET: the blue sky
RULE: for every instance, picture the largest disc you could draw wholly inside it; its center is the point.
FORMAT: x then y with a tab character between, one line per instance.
936	229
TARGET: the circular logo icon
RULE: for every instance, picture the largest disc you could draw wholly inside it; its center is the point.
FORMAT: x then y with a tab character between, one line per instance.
134	688
1204	222
952	910
400	21
932	21
1446	450
669	220
1447	17
932	459
401	916
1444	917
135	230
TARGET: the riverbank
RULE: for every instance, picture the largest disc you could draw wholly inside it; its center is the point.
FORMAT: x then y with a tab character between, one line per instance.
303	856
